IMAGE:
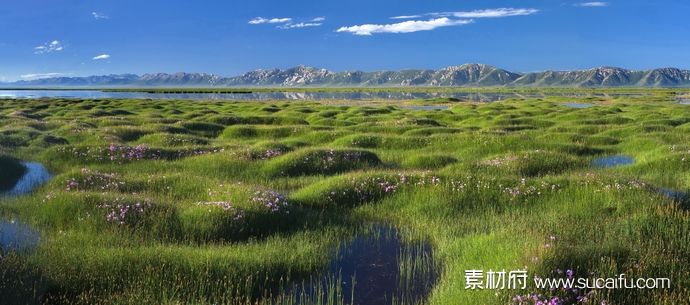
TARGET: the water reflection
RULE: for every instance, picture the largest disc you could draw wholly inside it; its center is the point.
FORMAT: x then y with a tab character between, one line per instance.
263	96
376	268
16	236
578	105
612	161
35	176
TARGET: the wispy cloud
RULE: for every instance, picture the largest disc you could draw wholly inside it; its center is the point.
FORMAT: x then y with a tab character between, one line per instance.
42	75
49	47
592	4
262	20
476	14
287	23
102	56
439	19
495	13
402	27
98	16
300	25
407	17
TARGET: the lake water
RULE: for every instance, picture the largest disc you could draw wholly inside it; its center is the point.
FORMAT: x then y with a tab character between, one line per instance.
384	271
264	96
612	161
35	176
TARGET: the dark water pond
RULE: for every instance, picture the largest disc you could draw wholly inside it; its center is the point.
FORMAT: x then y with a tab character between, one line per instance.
36	175
612	161
578	105
375	268
262	96
16	236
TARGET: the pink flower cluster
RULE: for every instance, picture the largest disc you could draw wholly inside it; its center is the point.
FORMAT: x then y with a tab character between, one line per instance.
227	206
94	180
123	213
273	200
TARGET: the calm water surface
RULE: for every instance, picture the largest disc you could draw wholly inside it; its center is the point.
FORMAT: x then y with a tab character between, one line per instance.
16	236
35	176
579	105
262	96
377	268
612	161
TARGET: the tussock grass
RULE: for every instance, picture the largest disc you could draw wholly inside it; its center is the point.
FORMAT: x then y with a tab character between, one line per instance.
235	202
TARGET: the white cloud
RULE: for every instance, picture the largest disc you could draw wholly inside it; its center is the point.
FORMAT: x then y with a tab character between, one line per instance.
102	56
300	25
286	23
98	16
592	4
402	27
495	13
407	17
41	75
262	20
49	47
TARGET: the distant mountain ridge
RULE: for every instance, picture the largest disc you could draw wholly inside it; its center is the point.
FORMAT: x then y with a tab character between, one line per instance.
467	75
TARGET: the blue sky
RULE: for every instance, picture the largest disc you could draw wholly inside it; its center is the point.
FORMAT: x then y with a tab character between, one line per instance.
80	37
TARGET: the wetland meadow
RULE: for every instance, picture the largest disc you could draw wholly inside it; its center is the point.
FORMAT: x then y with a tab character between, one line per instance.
329	199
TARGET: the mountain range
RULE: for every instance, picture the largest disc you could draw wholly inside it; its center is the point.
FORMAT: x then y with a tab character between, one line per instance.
468	75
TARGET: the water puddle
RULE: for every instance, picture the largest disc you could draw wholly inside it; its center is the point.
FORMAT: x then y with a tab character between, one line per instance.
427	108
16	236
35	176
376	268
680	197
684	102
579	105
612	161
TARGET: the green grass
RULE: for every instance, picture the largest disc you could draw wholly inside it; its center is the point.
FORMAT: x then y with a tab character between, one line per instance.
505	185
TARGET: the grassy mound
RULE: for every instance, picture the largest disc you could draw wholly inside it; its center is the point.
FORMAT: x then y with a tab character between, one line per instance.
321	161
428	161
347	190
536	163
381	141
263	132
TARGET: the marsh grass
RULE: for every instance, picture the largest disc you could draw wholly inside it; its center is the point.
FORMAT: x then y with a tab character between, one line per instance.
503	185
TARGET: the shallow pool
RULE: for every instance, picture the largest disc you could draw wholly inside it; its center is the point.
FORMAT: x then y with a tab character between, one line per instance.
578	105
16	236
35	176
375	268
612	161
